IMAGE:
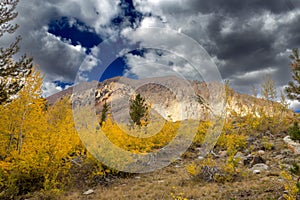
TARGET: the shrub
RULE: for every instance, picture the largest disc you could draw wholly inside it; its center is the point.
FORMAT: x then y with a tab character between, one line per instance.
177	196
290	185
208	171
294	132
137	144
295	169
232	142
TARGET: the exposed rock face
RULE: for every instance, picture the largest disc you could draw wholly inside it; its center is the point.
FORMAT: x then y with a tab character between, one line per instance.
171	98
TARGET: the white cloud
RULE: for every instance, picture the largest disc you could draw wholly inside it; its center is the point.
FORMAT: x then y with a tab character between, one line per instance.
55	57
160	7
151	22
50	88
95	13
257	74
151	65
294	105
178	45
89	63
59	60
164	64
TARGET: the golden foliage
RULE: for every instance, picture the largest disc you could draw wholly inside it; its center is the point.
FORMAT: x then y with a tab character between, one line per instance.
140	144
35	141
177	196
290	186
38	143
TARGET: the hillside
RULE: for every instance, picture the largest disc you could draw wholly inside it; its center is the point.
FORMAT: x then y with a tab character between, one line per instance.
251	159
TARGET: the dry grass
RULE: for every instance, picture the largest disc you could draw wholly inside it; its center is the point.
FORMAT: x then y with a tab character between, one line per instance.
174	179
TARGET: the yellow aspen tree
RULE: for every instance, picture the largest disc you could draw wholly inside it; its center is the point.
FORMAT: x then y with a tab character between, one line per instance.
23	114
22	120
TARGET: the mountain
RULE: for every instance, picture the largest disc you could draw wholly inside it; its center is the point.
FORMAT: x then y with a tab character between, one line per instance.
170	97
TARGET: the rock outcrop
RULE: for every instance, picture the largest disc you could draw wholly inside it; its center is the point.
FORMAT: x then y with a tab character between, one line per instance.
170	97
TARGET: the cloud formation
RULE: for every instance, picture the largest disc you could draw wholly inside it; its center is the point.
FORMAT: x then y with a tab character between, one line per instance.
58	58
246	39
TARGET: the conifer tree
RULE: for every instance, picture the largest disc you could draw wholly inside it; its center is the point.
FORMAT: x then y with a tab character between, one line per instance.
104	113
12	72
139	110
293	88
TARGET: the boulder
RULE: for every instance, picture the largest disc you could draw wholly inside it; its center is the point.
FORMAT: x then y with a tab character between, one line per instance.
257	168
261	152
90	191
292	145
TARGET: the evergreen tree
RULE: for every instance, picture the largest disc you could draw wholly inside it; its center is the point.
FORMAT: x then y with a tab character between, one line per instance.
293	88
139	110
104	113
12	73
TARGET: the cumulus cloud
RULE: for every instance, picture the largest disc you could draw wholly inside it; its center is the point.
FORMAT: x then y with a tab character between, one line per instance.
200	64
158	64
295	105
245	39
50	88
58	58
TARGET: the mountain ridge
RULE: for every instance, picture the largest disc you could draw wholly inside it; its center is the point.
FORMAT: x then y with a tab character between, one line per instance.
171	97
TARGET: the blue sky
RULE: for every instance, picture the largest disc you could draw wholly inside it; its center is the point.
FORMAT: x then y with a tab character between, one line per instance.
245	39
80	34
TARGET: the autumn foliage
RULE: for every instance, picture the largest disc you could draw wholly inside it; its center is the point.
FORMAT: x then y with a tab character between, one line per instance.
35	139
40	148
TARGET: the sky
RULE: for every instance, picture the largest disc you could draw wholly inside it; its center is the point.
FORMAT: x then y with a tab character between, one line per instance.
245	39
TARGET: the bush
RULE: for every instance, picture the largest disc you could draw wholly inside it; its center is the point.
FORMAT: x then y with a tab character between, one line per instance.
294	132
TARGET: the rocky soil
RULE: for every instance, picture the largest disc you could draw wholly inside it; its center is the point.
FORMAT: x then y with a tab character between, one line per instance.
260	164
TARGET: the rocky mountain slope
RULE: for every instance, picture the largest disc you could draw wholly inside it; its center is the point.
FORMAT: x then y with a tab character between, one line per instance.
257	170
171	98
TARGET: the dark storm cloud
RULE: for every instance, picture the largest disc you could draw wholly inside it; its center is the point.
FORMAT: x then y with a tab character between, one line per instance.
246	38
241	8
248	46
293	32
242	49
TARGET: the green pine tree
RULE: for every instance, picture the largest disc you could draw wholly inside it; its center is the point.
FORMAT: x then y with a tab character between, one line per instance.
12	72
104	113
139	110
293	88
